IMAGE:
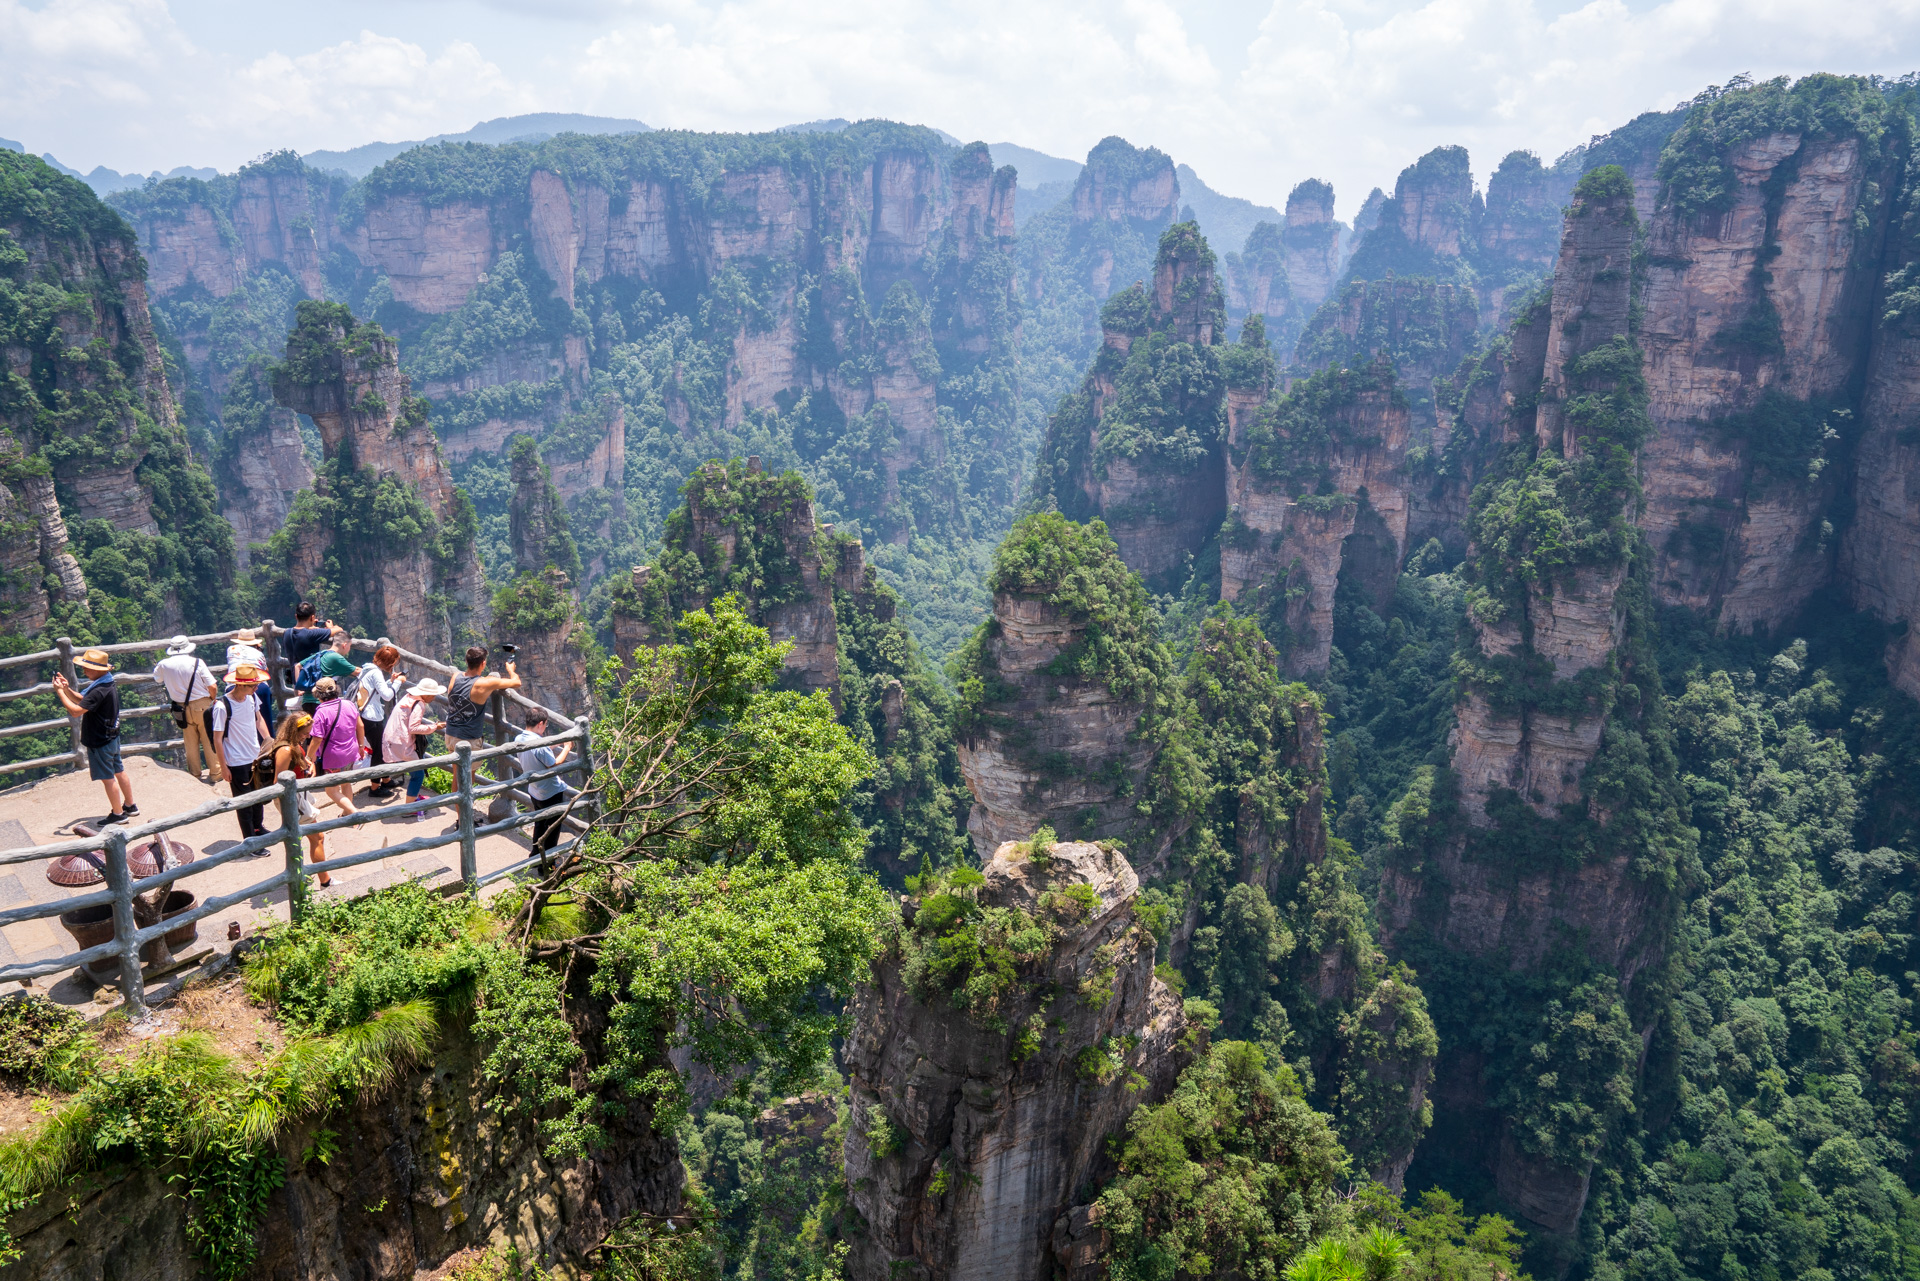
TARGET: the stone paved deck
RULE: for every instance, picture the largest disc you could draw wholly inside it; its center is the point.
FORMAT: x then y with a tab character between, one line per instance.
43	812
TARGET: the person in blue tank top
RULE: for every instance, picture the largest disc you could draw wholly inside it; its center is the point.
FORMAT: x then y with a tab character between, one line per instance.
467	697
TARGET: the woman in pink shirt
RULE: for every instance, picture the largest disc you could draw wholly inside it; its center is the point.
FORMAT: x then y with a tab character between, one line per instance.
337	740
409	726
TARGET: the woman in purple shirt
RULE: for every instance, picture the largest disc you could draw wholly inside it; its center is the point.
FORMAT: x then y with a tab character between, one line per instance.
337	740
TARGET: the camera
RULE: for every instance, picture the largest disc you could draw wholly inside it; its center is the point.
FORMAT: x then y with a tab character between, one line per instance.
508	650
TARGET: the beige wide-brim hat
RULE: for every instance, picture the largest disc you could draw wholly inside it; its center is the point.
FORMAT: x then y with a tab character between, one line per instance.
248	635
94	660
428	688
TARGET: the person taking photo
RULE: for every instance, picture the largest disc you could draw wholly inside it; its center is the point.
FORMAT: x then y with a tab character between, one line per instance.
409	727
379	688
97	707
467	699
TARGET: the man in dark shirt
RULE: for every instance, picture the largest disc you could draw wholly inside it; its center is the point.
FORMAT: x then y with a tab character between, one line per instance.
306	637
97	706
302	641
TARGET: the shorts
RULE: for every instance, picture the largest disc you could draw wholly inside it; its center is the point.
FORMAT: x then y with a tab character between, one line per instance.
103	762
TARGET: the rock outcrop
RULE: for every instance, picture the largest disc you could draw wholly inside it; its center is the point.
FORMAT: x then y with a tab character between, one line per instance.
973	1131
536	611
1312	240
1757	319
1124	184
1557	656
422	1172
1425	228
1572	620
1122	202
495	288
263	464
746	531
1636	147
1050	750
88	427
411	542
1046	740
34	551
1880	558
1141	445
1437	227
1313	478
1424	329
1257	283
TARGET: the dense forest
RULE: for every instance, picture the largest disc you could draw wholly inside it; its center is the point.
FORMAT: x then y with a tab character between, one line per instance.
1370	751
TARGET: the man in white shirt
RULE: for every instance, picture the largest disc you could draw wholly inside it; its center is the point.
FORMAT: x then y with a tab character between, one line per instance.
239	732
190	688
544	791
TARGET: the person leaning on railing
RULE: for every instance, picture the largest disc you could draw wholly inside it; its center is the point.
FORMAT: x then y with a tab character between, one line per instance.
307	636
97	707
467	699
375	692
239	734
543	791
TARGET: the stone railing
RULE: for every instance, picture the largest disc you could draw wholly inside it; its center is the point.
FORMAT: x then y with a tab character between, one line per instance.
279	671
107	850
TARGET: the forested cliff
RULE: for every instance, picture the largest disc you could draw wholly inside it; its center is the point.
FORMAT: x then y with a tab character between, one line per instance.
1374	750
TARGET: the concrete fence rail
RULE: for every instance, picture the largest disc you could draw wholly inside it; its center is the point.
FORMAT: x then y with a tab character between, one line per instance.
110	846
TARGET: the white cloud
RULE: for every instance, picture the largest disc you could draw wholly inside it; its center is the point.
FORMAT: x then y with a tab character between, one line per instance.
75	51
373	87
118	82
1255	96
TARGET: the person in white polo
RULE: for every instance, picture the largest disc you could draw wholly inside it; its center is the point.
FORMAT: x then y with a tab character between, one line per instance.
190	688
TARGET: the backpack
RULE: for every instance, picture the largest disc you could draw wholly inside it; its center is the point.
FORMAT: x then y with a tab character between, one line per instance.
307	675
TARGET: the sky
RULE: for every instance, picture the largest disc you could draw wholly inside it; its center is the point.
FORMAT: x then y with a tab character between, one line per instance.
1256	95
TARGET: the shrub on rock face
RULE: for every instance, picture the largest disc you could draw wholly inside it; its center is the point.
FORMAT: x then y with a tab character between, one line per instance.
1076	570
1233	1175
42	1043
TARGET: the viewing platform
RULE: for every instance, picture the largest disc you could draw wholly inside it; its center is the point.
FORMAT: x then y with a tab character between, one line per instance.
174	889
44	812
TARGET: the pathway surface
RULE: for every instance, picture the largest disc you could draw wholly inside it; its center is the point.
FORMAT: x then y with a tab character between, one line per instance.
44	812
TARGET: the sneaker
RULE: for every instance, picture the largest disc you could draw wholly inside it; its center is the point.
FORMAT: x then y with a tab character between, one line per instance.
130	809
112	819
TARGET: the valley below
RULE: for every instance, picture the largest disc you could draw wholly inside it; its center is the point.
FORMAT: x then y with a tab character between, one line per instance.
1135	734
